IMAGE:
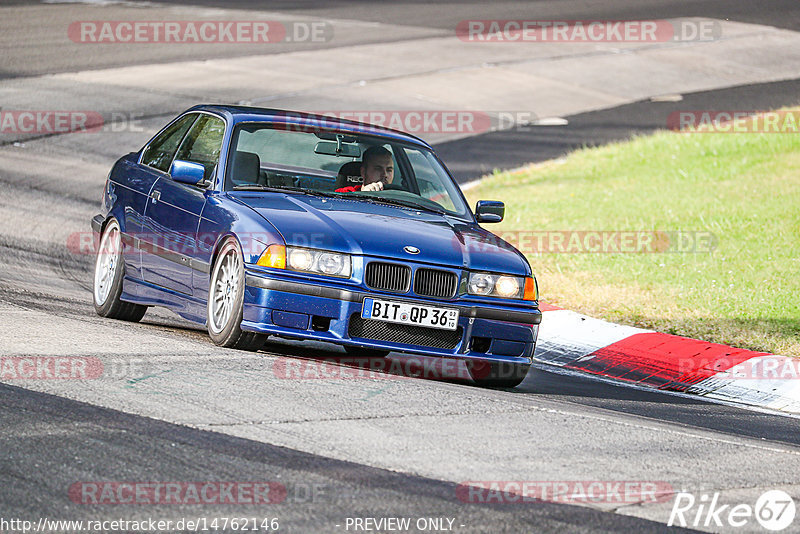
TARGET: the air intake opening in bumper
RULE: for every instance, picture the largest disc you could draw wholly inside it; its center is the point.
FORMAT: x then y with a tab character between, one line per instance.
402	333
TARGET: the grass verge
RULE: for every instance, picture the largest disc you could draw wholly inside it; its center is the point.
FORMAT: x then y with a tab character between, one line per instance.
743	190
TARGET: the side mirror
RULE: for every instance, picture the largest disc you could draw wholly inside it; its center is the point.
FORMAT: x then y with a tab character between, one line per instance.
188	172
490	211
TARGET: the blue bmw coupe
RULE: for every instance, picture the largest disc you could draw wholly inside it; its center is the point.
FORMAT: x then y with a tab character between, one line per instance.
258	222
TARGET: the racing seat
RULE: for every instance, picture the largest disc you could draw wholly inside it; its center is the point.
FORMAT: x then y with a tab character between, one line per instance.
245	168
349	175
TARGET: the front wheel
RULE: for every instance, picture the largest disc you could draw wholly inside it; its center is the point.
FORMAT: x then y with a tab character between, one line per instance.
226	301
498	374
109	270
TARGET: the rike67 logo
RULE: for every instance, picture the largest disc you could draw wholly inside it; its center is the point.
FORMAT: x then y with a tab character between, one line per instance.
774	510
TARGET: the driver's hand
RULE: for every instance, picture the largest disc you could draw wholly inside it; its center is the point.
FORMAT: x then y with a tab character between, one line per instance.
374	186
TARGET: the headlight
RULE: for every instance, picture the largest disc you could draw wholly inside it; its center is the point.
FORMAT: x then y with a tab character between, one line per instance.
334	264
306	260
503	286
300	259
481	284
506	286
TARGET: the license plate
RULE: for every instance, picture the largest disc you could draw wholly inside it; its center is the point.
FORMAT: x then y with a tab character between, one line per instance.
407	313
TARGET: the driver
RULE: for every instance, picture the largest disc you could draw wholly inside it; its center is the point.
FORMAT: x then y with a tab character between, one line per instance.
377	170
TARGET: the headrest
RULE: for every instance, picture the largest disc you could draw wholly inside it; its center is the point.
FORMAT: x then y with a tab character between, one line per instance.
349	174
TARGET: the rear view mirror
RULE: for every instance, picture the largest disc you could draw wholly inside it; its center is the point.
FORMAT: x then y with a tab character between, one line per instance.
490	211
333	136
338	148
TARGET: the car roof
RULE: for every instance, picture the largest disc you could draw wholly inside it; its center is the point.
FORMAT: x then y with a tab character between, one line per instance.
240	114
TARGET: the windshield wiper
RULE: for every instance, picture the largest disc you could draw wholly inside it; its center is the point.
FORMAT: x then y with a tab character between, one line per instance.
255	187
282	189
403	203
313	192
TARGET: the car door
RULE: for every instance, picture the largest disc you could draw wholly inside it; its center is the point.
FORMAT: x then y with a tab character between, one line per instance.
142	175
173	213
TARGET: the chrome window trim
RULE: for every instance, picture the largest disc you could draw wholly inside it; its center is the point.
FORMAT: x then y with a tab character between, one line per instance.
198	112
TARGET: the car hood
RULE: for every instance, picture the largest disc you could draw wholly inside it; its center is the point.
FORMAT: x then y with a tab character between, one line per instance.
360	227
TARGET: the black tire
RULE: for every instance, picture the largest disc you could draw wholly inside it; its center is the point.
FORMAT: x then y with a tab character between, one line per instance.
497	374
227	283
363	352
109	270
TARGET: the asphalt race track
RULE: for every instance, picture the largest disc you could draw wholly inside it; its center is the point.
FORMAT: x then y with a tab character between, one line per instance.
172	407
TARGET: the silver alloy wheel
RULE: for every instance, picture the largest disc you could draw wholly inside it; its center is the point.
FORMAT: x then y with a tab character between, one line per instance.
224	288
107	263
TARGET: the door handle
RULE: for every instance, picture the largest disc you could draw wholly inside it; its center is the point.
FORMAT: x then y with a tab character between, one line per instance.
155	196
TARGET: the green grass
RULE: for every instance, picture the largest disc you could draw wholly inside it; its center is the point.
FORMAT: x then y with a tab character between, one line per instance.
744	188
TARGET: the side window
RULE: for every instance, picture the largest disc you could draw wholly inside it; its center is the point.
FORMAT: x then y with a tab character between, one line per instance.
431	185
203	143
160	151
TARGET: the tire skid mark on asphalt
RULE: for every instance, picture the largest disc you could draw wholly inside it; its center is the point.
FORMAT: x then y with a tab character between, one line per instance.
41	189
31	170
46	250
33	256
453	413
75	309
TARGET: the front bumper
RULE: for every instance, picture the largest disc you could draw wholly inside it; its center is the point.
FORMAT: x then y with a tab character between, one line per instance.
325	312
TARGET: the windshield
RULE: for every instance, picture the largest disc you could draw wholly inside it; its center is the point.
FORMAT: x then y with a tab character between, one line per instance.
331	163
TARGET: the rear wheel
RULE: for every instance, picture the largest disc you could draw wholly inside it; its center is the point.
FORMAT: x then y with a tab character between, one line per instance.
226	301
497	374
109	270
